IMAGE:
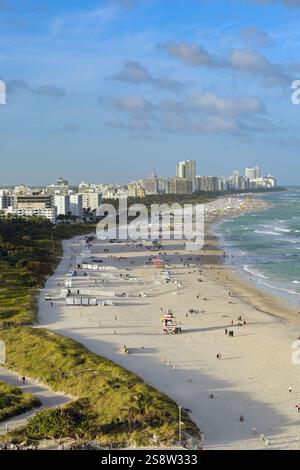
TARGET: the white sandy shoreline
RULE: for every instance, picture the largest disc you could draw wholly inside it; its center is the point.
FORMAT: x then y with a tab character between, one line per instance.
252	378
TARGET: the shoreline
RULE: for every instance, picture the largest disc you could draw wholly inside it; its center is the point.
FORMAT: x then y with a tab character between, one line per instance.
267	296
260	296
185	366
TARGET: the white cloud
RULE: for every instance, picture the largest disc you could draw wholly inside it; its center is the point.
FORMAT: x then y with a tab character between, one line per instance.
242	60
196	113
131	104
135	72
190	54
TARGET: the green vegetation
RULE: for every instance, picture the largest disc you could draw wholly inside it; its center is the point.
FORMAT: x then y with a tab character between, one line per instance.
112	404
200	198
13	402
29	252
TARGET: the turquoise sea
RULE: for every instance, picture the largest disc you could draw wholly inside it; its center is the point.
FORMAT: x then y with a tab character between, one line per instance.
265	245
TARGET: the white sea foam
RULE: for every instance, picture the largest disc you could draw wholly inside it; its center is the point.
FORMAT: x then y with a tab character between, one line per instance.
266	232
254	272
279	229
289	240
288	291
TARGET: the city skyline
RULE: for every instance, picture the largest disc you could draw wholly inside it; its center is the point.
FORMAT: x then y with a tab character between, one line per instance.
117	88
151	175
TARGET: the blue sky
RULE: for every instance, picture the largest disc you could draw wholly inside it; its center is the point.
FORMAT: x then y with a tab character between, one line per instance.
108	90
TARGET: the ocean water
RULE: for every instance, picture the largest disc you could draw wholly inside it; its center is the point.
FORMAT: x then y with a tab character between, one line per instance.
265	245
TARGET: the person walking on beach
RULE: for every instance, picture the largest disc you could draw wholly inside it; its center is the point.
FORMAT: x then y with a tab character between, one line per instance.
51	304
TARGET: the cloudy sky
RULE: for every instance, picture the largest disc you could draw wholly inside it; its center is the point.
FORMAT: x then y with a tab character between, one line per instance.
108	90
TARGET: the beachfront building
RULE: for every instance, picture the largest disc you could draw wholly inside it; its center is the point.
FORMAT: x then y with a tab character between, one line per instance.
60	188
236	182
257	181
32	203
45	213
186	169
62	204
33	199
150	184
6	199
76	205
91	200
222	184
253	173
265	182
179	186
207	183
212	183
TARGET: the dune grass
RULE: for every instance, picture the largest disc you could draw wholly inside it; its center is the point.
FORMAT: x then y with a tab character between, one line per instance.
13	402
112	404
29	252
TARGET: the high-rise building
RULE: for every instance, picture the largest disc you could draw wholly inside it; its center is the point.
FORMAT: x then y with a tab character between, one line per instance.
6	199
186	169
91	200
253	173
207	183
180	170
62	204
150	184
62	182
32	200
179	186
32	203
76	205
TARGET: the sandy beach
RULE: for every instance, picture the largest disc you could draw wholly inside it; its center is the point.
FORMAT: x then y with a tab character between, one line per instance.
240	401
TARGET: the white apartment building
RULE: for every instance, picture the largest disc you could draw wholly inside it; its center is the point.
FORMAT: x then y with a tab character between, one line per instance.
91	200
266	182
253	173
76	205
49	213
6	199
62	204
186	169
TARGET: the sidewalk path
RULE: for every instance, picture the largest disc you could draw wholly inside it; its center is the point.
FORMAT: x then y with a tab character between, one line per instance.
47	397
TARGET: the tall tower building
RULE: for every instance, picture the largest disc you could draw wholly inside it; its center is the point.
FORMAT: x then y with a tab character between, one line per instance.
253	173
186	169
180	170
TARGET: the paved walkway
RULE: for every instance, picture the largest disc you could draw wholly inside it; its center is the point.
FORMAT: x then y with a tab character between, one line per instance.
47	397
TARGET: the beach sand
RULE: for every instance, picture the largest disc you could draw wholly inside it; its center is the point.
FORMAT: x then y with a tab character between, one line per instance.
251	379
